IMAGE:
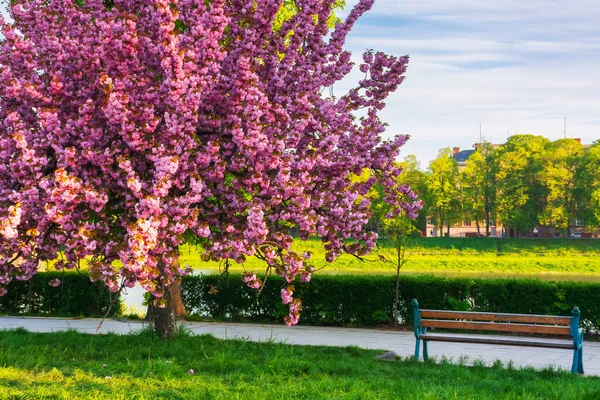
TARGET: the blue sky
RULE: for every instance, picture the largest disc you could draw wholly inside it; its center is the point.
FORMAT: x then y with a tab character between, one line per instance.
515	66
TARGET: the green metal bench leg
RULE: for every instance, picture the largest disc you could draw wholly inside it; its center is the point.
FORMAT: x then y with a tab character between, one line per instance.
580	364
417	349
425	353
575	366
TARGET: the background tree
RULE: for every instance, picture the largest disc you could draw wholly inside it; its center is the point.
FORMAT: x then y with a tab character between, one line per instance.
588	187
397	231
560	163
415	178
130	125
478	182
442	190
521	195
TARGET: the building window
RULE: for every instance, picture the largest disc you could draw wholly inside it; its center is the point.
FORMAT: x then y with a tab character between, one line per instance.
467	222
579	222
429	221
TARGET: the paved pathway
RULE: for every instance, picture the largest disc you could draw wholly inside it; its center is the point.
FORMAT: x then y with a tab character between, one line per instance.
402	343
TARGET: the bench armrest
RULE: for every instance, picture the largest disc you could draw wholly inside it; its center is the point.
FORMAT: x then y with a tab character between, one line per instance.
416	318
578	339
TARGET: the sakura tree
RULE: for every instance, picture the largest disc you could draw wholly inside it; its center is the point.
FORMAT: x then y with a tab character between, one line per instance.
128	126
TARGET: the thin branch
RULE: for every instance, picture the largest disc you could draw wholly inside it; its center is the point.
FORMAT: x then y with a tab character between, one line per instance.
113	301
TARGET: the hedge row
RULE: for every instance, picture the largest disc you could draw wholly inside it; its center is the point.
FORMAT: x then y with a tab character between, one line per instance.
76	296
366	300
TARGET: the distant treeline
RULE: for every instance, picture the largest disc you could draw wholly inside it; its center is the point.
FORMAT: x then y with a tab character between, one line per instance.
527	182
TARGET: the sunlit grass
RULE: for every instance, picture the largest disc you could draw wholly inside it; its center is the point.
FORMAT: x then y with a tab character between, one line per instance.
518	257
70	365
557	258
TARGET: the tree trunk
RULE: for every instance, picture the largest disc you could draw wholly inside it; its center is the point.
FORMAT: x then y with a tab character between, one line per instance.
487	216
165	319
397	292
400	252
478	228
165	323
177	298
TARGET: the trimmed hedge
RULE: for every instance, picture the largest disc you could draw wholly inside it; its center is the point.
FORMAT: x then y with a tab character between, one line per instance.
366	300
76	296
338	300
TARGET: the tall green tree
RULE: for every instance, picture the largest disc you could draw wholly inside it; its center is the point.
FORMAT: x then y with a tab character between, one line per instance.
443	191
478	183
416	179
588	186
521	194
413	177
560	163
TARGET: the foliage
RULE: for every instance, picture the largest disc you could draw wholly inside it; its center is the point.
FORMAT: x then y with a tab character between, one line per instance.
327	300
365	300
442	189
73	365
588	184
128	128
560	164
478	185
289	8
416	179
526	183
521	196
74	296
398	231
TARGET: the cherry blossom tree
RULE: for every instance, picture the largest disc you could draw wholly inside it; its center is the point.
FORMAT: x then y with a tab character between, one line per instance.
128	126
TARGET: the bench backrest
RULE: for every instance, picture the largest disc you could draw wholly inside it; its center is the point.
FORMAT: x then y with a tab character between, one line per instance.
498	322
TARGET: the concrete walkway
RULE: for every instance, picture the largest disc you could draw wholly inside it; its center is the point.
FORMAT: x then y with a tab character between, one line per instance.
402	343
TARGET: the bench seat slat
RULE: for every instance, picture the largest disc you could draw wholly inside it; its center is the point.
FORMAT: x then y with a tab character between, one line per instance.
497	327
485	316
529	342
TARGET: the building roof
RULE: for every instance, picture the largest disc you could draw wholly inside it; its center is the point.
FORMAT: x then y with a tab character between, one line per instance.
463	155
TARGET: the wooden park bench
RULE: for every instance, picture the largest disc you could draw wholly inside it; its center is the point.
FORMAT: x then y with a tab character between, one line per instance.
514	323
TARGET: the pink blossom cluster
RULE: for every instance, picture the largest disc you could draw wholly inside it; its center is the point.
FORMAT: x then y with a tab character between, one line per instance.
295	305
54	282
252	281
126	128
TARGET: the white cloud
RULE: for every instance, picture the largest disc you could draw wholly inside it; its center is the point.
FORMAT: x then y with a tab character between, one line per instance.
516	66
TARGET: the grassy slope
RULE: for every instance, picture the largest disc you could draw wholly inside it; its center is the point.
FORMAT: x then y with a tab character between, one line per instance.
431	255
72	365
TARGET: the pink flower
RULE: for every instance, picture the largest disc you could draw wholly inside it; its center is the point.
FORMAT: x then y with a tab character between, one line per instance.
305	276
286	296
163	134
54	282
252	281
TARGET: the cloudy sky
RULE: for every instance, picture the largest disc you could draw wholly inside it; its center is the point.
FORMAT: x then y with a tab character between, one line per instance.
516	66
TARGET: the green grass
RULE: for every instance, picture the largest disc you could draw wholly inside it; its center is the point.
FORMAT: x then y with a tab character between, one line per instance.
562	259
72	365
522	246
573	259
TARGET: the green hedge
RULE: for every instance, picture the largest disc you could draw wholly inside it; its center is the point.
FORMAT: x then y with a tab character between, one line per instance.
76	296
327	299
366	300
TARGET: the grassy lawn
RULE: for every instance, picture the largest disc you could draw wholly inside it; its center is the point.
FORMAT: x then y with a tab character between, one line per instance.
557	257
71	365
560	259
